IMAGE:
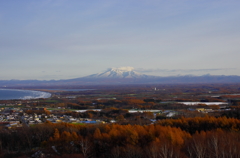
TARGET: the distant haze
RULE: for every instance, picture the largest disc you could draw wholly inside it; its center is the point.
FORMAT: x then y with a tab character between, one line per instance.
59	39
122	75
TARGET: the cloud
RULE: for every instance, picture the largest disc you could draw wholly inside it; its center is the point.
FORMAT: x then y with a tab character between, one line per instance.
184	71
126	68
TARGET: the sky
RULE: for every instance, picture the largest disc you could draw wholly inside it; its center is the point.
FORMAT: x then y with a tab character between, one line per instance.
62	39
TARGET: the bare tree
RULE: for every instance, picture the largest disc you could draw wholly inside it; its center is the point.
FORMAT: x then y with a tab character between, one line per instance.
131	151
197	146
115	152
166	150
152	151
85	147
214	146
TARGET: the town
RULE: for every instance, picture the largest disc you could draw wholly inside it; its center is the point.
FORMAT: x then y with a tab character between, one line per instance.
122	104
107	121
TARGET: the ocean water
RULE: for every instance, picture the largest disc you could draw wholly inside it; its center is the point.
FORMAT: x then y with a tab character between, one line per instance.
72	90
7	94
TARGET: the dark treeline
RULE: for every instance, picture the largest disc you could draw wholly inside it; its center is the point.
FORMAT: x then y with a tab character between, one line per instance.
206	137
198	124
183	136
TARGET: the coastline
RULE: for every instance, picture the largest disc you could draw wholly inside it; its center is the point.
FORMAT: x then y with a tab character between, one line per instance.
23	94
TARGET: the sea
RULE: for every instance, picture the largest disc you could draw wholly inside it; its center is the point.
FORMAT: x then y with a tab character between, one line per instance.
72	90
10	94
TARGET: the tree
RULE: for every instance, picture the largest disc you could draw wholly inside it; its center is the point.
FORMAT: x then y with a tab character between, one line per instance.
85	147
97	134
197	148
56	134
120	118
116	152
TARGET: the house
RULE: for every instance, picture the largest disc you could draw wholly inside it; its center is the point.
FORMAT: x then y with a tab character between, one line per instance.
201	109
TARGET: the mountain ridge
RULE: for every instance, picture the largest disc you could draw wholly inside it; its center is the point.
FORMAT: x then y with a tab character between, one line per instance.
124	75
122	72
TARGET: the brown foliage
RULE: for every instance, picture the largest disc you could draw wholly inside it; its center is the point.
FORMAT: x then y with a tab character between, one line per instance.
114	140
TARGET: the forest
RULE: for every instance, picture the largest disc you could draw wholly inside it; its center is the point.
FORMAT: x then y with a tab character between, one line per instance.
200	137
188	134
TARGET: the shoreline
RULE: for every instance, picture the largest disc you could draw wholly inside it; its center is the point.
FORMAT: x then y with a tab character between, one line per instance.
23	94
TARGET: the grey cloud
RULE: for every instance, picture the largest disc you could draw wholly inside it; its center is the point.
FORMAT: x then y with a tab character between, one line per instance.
180	70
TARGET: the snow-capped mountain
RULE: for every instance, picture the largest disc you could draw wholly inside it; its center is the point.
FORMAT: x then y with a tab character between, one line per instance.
122	75
122	72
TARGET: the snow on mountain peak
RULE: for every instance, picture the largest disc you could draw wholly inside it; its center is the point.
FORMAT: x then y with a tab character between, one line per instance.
122	72
128	68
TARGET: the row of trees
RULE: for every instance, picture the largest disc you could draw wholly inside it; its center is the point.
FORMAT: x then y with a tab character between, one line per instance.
182	138
206	123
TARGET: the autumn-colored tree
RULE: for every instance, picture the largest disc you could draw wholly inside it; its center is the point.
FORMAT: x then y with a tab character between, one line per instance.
114	140
148	115
56	134
202	123
65	136
120	118
97	134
